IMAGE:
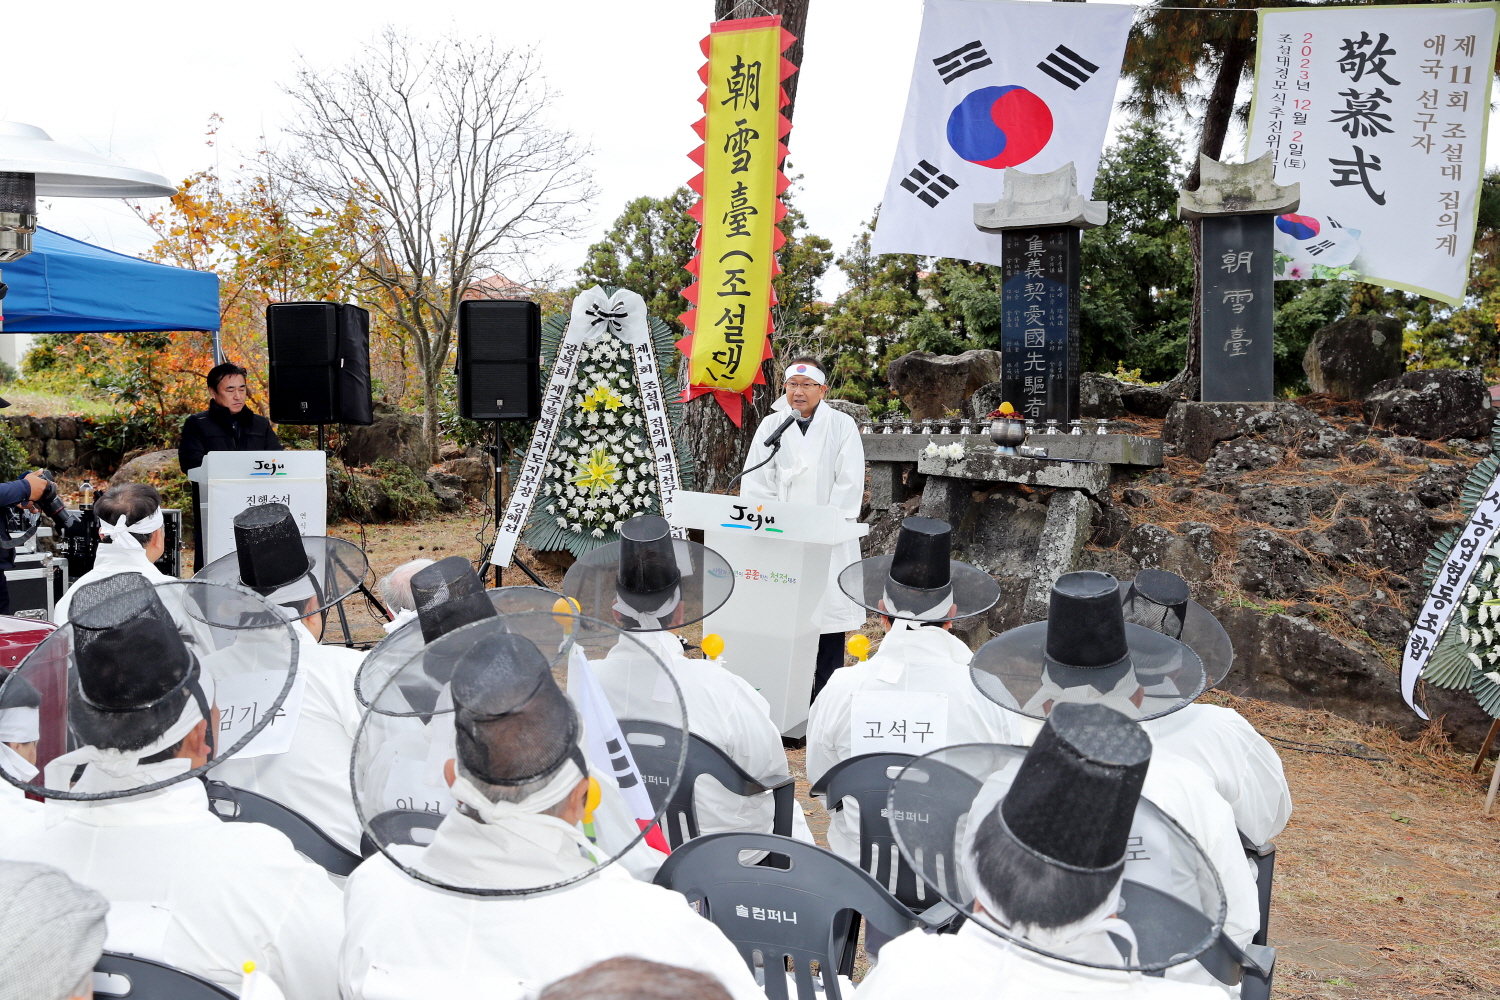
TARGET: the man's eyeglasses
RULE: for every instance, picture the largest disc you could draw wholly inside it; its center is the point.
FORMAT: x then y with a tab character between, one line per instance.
803	385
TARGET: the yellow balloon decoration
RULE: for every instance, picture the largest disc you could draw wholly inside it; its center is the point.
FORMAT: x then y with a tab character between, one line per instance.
562	611
713	645
859	646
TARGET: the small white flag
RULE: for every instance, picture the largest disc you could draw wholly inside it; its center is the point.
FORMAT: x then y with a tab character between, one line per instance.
996	85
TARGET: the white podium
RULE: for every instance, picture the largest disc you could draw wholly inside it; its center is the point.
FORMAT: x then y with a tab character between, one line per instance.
230	481
779	553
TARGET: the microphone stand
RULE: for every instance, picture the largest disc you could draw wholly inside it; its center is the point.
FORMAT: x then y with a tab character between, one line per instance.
775	443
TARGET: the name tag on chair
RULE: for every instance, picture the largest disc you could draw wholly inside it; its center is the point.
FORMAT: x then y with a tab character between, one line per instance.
911	722
242	699
137	928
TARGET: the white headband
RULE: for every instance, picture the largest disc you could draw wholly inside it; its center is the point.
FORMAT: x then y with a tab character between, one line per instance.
910	619
807	371
20	725
122	534
650	620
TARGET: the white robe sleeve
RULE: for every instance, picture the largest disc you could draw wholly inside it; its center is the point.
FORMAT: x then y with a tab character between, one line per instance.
1262	802
848	492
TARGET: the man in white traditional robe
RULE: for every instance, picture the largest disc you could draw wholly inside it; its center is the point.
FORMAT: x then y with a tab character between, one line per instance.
1086	653
1244	767
311	775
131	538
185	888
20	728
510	895
395	591
914	695
821	461
651	585
1046	863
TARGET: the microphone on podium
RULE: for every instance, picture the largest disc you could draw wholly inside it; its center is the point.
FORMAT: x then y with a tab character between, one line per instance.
776	434
773	442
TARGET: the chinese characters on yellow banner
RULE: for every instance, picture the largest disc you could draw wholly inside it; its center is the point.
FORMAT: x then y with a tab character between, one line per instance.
740	187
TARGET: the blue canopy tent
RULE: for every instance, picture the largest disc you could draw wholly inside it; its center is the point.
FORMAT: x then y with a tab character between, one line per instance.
68	286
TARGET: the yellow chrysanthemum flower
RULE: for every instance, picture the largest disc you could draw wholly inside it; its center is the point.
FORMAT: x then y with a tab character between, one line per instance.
598	473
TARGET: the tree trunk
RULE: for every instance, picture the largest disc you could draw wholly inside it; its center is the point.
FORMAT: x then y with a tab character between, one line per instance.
1189	381
793	18
432	388
719	447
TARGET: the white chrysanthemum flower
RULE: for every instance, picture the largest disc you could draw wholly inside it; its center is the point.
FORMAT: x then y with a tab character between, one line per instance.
630	475
597	533
610	419
617	525
593	418
577	526
552	508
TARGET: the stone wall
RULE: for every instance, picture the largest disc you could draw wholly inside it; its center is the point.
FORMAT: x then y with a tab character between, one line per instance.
61	443
1303	530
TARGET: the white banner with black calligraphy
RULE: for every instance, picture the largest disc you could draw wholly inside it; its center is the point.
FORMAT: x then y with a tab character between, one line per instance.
595	315
1381	113
997	84
1447	589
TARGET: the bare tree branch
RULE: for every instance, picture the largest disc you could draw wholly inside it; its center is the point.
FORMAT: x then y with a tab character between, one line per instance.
448	147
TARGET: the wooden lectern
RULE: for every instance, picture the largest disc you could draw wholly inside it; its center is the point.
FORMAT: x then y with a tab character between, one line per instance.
779	553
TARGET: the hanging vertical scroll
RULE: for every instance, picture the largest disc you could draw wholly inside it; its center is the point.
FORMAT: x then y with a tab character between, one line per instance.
740	188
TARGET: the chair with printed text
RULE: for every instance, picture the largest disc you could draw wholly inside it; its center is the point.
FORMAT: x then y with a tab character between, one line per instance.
142	979
236	805
656	749
783	918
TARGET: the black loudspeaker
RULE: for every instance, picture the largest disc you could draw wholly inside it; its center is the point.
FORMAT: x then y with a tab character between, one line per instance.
320	363
499	359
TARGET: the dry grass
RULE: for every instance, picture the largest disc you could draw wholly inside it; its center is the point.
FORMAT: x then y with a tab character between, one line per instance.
1387	876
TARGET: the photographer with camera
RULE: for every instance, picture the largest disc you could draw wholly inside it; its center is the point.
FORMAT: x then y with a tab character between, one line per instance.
24	493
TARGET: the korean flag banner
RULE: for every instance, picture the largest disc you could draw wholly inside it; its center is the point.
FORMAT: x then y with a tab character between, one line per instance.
1380	113
996	85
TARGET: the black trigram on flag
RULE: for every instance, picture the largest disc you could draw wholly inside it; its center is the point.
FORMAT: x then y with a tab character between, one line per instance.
964	59
929	183
1067	67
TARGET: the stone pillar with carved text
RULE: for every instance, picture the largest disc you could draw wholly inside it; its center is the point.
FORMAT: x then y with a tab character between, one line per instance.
1237	204
1040	217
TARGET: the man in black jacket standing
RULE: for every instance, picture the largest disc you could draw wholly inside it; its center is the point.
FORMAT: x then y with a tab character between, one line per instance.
227	425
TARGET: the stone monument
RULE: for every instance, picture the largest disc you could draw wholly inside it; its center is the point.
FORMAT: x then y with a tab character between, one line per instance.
1040	217
1237	203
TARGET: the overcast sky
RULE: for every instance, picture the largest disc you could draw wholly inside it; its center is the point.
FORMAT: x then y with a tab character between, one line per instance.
139	81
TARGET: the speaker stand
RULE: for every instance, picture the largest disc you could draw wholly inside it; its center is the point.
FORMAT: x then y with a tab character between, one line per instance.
323	437
494	450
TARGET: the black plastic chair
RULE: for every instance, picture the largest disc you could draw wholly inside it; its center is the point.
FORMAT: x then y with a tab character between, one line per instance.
142	979
400	826
236	805
867	779
797	914
1160	920
1263	856
656	749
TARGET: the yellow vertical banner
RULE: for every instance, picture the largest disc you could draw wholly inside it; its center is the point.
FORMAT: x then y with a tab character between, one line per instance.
729	324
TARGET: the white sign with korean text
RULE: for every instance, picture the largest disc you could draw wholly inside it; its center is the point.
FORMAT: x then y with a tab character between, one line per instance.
1448	586
242	698
1381	114
232	481
898	722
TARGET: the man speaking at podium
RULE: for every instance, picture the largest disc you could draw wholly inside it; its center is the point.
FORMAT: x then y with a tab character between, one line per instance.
227	425
820	461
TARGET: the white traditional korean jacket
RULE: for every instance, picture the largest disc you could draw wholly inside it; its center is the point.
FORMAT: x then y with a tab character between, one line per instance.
190	890
111	559
408	940
930	660
1245	768
977	965
723	709
312	777
825	466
